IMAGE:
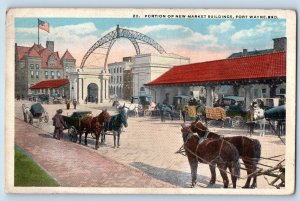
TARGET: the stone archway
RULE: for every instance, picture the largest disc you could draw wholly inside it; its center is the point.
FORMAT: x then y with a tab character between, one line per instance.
92	92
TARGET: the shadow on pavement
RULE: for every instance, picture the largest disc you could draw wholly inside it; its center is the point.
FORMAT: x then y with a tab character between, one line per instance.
175	177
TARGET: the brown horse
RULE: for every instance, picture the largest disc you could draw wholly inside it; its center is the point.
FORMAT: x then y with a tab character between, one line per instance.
213	152
249	151
90	124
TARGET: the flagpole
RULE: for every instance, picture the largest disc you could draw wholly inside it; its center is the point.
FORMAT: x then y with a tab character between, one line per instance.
38	33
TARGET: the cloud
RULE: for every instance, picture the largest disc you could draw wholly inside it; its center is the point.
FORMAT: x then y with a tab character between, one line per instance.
221	28
265	27
76	38
181	34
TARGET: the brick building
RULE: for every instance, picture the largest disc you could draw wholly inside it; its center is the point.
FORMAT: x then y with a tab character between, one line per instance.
37	63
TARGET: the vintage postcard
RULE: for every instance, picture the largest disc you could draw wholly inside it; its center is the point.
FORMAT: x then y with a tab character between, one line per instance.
150	101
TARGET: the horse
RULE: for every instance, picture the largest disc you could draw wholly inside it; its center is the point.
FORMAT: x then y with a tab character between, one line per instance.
132	108
249	150
212	152
165	109
129	109
115	124
117	105
259	117
26	113
91	124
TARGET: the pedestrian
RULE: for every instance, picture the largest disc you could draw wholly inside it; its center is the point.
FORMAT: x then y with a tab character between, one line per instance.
68	104
74	103
58	124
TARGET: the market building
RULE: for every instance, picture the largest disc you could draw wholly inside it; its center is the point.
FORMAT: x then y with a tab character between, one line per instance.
243	74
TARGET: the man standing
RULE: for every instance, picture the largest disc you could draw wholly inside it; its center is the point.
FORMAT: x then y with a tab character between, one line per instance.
58	124
74	103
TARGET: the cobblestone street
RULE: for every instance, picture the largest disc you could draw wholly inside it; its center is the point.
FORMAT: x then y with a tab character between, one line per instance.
146	157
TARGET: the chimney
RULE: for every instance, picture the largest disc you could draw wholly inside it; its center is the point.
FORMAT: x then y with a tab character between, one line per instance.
50	45
245	52
279	44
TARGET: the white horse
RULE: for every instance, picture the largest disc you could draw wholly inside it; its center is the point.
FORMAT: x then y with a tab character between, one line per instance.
133	108
128	108
27	114
259	117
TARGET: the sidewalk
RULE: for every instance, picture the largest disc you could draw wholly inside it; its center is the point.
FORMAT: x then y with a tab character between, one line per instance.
73	165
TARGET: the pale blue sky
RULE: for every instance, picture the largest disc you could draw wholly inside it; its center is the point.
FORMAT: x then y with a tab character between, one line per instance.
199	39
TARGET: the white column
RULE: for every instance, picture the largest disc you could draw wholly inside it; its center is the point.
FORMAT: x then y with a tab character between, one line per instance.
79	90
75	89
179	91
248	96
107	89
99	91
84	88
209	96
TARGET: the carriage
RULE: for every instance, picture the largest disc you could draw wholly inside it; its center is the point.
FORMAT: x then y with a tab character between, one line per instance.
72	123
277	115
237	117
146	102
35	112
186	109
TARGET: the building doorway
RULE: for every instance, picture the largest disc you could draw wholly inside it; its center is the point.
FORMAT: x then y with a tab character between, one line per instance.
92	95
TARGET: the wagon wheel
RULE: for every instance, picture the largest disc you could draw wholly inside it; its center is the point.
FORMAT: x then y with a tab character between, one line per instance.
238	122
93	135
147	113
46	117
72	132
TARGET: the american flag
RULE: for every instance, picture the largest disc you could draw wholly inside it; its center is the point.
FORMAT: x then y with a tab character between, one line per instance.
43	25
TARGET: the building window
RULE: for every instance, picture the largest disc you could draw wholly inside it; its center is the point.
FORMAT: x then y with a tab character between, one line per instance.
46	74
52	74
37	74
58	74
31	66
282	91
114	70
264	93
32	74
37	66
255	93
117	70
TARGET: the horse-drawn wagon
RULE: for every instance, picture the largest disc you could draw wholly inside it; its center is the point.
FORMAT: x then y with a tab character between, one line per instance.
35	112
72	123
186	107
251	159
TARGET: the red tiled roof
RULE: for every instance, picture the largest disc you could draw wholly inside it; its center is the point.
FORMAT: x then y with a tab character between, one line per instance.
50	84
33	53
39	51
37	47
45	54
67	56
21	51
252	67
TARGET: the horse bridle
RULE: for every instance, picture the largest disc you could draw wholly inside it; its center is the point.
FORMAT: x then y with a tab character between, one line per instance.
206	131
